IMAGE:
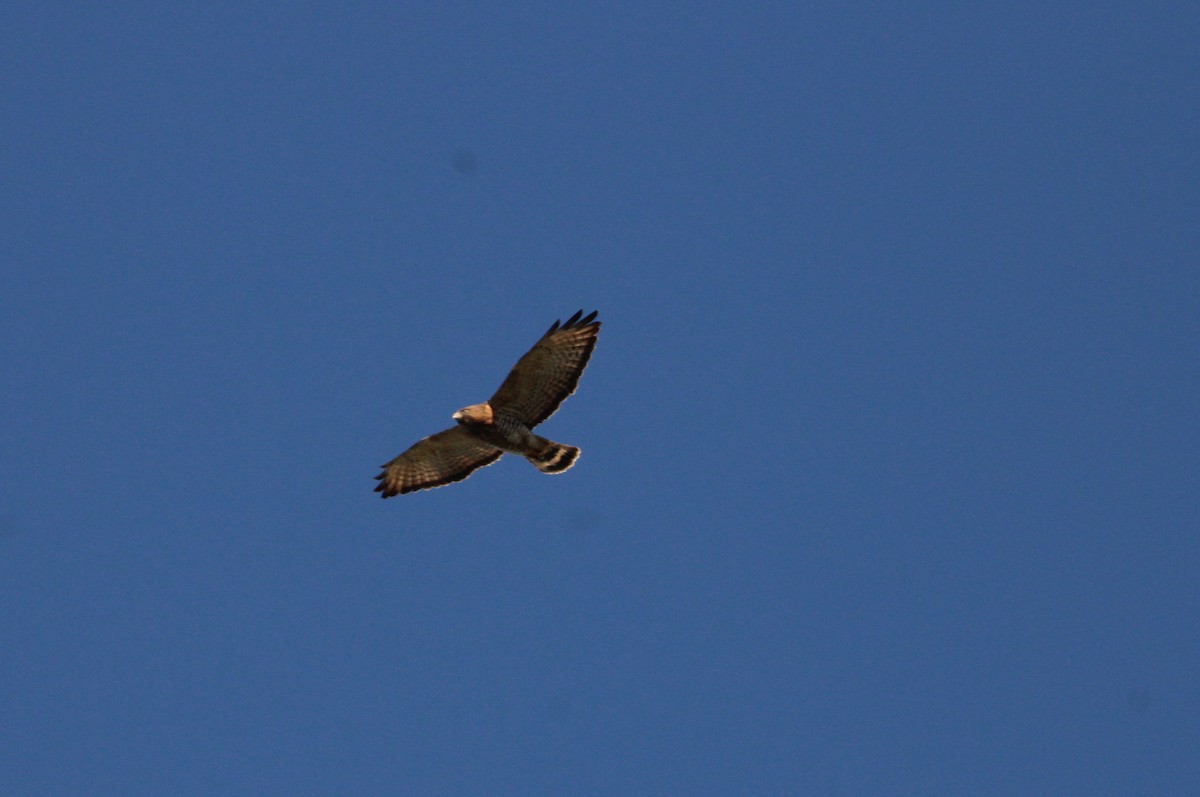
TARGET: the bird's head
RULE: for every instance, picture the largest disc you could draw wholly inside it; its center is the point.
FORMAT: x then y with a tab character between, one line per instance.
476	413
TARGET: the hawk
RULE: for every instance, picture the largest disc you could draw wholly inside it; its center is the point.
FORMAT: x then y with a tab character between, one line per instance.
537	384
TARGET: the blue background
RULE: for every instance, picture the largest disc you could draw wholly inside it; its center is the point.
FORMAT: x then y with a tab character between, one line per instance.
890	441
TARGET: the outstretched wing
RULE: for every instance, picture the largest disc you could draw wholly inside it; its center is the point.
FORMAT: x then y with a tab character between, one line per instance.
549	372
445	457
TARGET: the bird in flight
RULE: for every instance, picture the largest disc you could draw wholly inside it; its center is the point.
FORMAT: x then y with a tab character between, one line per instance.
533	390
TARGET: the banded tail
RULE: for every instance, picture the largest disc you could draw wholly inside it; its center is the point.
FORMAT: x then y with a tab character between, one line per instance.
553	457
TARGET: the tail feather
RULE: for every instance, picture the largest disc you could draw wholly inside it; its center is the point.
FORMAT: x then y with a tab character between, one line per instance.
554	458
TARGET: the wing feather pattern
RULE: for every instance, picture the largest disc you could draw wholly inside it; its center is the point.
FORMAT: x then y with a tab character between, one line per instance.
549	372
448	456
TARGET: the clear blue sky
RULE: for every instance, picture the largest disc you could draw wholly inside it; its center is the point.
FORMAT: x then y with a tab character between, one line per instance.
890	443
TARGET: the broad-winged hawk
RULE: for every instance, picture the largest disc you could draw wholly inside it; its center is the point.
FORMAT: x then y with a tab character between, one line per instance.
537	384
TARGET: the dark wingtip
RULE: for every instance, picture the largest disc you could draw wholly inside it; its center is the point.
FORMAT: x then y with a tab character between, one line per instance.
383	488
576	321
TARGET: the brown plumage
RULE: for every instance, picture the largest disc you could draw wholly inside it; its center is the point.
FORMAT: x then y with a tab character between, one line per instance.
533	390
